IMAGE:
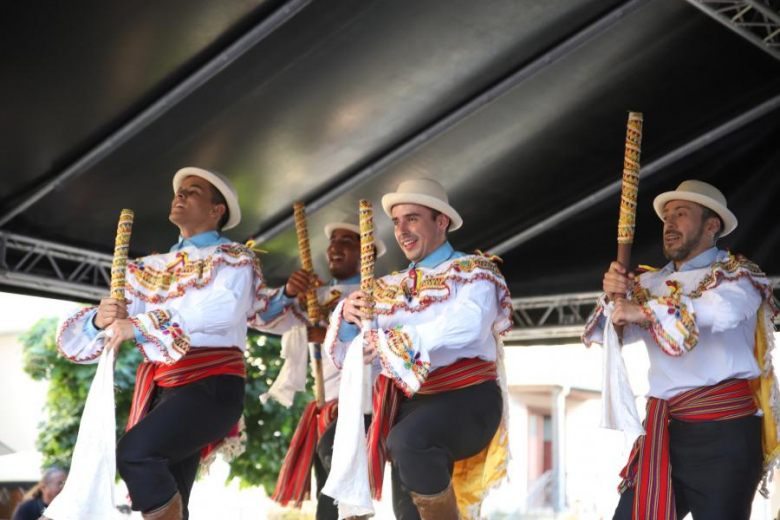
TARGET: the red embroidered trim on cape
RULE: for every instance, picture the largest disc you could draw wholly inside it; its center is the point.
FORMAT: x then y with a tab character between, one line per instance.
732	269
391	298
159	281
67	323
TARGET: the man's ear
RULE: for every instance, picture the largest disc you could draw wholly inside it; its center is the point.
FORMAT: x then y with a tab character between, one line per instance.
443	221
218	210
713	226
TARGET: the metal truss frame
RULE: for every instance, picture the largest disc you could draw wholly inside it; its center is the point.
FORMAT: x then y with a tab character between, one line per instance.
551	317
758	21
563	316
48	267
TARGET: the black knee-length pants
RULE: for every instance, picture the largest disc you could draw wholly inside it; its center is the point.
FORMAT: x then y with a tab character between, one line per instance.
161	454
431	432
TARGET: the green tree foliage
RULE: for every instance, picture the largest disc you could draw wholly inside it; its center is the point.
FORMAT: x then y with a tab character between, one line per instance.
269	427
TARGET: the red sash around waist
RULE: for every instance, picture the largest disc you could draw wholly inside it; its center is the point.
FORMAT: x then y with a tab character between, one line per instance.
294	481
387	399
649	470
196	364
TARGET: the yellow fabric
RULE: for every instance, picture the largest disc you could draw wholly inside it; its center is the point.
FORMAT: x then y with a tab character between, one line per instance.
472	478
762	390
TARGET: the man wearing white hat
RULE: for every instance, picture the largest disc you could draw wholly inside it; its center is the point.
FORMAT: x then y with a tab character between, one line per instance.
706	321
187	311
438	405
343	255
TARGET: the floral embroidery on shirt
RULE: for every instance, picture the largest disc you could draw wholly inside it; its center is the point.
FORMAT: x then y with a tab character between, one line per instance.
403	362
401	345
684	324
416	290
156	328
157	284
681	334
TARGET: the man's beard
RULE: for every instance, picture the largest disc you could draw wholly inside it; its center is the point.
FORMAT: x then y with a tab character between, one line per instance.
685	248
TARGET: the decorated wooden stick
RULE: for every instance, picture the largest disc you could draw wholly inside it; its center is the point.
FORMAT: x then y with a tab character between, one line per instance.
630	189
628	196
367	254
121	248
312	305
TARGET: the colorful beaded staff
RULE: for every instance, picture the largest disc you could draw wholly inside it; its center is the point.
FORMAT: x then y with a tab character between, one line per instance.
313	307
121	248
630	190
303	246
367	252
628	195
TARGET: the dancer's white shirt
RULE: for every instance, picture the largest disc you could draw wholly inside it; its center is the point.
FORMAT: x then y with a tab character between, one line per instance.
291	324
190	298
460	305
724	318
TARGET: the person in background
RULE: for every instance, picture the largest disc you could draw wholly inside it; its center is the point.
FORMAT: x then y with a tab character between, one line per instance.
343	254
41	494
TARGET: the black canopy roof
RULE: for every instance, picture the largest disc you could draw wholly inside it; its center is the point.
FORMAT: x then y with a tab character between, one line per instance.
518	107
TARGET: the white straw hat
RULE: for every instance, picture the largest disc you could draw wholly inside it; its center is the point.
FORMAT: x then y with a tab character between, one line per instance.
352	223
425	192
220	182
701	193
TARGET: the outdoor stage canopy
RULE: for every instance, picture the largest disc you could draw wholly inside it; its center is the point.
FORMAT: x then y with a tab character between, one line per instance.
517	106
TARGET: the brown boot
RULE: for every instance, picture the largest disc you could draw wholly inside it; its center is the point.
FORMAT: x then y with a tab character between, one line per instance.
170	511
441	506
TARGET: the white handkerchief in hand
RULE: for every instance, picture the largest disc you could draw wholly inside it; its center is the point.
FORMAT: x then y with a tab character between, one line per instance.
348	479
618	407
89	491
292	376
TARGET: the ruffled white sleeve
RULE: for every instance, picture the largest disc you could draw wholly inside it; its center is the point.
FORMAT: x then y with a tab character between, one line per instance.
594	327
473	314
217	308
334	346
596	323
74	343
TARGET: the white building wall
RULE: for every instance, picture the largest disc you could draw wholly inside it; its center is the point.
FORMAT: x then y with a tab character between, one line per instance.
594	457
21	398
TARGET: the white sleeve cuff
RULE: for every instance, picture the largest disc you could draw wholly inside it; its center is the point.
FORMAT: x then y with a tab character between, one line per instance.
402	360
165	339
